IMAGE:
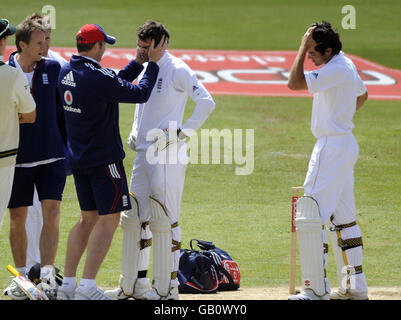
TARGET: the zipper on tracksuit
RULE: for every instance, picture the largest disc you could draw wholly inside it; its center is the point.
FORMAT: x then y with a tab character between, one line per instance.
34	75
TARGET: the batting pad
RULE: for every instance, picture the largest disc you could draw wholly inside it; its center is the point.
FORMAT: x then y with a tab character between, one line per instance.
309	229
131	226
162	239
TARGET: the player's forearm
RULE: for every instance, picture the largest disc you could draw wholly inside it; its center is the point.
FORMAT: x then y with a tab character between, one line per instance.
27	117
296	80
203	109
361	100
131	71
125	92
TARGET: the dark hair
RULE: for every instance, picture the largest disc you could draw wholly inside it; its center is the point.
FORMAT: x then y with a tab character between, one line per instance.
25	30
152	30
326	37
84	47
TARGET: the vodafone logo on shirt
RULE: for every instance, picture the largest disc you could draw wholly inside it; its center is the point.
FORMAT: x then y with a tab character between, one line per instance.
68	97
69	100
255	73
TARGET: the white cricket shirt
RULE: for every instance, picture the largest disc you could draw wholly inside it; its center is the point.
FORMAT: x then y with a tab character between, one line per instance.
15	97
335	88
175	83
52	55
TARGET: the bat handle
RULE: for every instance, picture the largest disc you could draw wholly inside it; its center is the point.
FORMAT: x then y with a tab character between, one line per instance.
13	271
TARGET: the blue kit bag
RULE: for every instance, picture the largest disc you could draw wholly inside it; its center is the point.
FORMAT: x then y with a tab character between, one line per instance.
208	270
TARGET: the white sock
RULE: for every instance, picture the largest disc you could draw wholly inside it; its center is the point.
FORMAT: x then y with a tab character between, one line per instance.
87	284
22	271
69	283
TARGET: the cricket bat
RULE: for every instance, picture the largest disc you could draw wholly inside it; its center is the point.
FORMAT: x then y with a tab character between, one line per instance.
293	249
27	286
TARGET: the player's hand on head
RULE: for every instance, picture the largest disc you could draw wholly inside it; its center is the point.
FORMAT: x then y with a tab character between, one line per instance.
155	53
307	39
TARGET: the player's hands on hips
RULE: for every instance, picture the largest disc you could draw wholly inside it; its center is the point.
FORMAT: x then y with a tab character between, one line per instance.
155	54
307	39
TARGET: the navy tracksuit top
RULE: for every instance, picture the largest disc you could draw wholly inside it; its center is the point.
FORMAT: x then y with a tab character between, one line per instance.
42	140
90	95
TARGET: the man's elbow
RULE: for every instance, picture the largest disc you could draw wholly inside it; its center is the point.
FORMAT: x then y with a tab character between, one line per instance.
209	106
293	85
212	106
144	97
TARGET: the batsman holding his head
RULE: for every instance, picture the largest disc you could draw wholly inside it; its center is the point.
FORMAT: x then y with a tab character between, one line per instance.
338	92
156	186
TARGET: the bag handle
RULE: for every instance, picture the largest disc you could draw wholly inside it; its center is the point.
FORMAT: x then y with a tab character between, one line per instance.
203	245
208	245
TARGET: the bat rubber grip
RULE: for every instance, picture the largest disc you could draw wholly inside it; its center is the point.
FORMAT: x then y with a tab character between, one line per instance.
13	271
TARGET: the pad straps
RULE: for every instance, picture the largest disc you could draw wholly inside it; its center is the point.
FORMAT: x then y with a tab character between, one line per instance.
348	243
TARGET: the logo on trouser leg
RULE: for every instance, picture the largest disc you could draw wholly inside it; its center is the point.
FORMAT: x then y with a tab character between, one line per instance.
125	201
307	283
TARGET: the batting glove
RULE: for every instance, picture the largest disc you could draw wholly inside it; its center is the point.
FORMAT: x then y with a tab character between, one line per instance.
166	138
132	141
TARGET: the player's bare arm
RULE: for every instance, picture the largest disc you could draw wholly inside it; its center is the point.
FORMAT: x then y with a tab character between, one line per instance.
29	117
296	79
361	100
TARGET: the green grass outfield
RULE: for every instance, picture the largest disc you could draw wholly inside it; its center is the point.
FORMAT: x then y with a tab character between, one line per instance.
249	216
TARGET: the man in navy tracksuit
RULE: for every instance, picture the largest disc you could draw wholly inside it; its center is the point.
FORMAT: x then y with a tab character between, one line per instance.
90	96
40	159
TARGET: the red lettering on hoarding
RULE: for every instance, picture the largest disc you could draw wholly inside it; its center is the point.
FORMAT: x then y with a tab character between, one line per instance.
255	73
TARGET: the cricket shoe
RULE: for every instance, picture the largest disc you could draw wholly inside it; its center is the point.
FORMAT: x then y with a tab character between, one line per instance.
92	294
308	294
142	285
153	295
117	294
348	295
15	292
63	294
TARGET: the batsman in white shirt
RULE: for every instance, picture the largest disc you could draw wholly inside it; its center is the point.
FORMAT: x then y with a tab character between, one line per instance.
338	92
157	180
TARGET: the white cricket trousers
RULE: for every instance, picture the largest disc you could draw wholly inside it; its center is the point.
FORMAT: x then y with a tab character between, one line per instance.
6	184
165	182
330	181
